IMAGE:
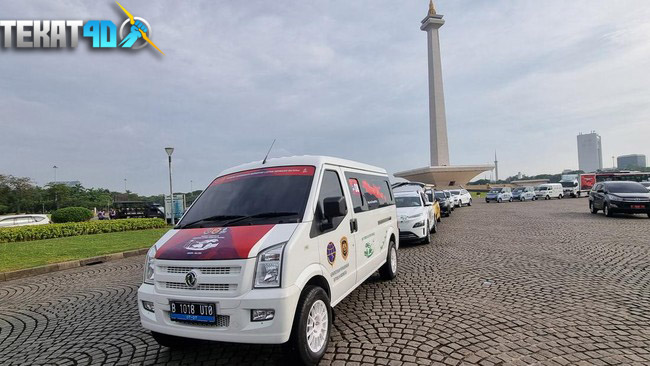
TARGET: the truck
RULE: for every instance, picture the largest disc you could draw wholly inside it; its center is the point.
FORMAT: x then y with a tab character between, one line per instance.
571	185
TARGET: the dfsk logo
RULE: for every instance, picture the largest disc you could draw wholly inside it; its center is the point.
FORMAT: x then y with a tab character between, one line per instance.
134	33
191	279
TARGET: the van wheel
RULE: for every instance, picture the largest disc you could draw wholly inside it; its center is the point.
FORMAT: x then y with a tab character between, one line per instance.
593	208
168	341
560	197
510	199
389	270
547	197
427	238
312	325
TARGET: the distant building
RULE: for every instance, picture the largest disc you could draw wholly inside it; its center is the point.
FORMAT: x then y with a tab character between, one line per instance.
590	152
631	161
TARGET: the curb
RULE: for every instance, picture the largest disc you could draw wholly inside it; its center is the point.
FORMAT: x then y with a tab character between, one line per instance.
29	272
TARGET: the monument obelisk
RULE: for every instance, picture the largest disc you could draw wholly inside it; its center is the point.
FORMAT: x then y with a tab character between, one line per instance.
439	144
439	173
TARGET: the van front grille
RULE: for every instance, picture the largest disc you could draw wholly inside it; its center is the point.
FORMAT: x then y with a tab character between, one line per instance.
201	287
204	270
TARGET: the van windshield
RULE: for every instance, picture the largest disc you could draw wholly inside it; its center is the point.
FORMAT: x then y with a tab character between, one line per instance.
261	196
408	201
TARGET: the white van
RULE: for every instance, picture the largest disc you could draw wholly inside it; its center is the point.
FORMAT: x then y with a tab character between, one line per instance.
549	190
267	250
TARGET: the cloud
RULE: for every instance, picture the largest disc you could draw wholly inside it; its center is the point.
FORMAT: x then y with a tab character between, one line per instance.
337	78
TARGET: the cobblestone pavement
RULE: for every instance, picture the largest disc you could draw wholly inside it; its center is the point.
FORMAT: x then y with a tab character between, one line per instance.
514	283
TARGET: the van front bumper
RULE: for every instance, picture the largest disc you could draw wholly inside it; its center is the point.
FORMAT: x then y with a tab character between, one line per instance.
237	328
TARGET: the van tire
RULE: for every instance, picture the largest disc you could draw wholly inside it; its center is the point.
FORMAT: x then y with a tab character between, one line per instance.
308	299
559	197
388	272
547	197
169	341
510	199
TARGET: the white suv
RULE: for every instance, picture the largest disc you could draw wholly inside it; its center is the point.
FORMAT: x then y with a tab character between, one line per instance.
416	217
267	250
464	197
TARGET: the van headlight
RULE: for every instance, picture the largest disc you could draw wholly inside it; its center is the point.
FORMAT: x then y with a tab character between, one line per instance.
268	269
149	266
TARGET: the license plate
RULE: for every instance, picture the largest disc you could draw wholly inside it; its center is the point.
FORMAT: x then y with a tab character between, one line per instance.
199	312
638	206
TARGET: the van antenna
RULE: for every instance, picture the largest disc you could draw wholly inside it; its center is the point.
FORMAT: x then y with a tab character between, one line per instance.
268	152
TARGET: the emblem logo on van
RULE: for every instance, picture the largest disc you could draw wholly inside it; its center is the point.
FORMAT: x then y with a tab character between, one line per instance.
191	279
344	248
331	253
209	239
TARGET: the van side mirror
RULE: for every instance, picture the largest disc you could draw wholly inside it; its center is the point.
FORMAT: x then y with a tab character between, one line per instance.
334	207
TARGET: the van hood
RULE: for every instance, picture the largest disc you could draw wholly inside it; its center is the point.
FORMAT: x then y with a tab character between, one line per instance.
218	243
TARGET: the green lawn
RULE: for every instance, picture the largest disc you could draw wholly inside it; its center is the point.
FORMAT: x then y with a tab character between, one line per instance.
21	255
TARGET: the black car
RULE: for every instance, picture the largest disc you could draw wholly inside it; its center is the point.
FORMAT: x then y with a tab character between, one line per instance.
619	197
445	206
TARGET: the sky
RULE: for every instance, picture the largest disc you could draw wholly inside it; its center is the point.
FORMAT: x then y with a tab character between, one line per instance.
339	78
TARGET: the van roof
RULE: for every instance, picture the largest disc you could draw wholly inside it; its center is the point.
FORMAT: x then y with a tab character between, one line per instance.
317	161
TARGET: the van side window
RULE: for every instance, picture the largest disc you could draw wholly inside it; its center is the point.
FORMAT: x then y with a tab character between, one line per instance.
330	187
357	198
375	191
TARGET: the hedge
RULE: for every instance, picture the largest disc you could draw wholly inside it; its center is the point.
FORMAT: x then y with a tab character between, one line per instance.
72	214
50	231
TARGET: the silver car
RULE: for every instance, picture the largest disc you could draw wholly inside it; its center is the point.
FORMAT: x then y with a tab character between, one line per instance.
524	194
23	220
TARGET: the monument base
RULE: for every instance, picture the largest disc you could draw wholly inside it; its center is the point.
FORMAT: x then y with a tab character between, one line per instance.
445	176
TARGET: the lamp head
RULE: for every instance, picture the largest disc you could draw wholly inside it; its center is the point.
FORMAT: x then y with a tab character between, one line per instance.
169	151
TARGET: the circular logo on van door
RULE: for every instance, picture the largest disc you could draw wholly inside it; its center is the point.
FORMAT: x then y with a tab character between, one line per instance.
344	248
331	253
191	279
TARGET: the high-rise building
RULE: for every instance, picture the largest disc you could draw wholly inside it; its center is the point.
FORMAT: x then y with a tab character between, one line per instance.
631	161
590	152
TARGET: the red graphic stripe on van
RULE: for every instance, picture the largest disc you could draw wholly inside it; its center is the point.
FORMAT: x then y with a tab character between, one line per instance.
213	243
296	170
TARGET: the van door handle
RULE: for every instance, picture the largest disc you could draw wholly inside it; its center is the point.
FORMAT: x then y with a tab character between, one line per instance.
353	225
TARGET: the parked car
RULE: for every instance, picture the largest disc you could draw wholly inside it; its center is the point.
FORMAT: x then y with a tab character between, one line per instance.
23	220
422	190
446	205
454	198
416	218
549	190
267	250
437	210
464	197
524	194
451	199
499	195
619	197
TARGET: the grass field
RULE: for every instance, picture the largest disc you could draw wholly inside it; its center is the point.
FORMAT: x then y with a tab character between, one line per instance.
21	255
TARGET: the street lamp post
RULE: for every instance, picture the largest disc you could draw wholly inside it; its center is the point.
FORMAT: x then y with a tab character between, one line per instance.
125	191
56	195
169	151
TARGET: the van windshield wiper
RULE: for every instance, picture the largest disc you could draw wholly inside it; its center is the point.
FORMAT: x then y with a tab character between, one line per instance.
211	219
259	216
